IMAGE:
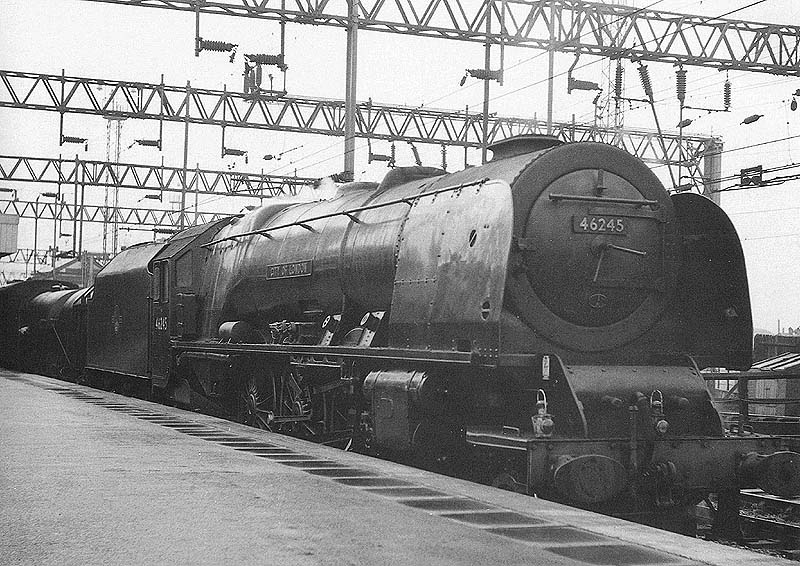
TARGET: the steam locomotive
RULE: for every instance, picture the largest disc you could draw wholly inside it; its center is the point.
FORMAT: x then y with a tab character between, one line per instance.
536	323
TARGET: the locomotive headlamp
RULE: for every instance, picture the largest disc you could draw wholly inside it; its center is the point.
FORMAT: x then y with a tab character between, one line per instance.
542	422
662	426
657	401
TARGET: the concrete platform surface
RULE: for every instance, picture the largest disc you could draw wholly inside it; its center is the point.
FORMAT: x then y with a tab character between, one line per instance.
89	477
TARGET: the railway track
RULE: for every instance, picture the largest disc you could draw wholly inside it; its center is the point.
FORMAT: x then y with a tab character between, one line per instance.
771	523
759	497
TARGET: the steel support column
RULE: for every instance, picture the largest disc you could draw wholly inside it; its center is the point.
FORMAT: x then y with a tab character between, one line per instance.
181	218
551	70
350	90
487	66
712	170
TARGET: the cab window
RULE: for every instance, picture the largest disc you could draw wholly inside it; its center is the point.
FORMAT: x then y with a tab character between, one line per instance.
164	283
157	282
183	270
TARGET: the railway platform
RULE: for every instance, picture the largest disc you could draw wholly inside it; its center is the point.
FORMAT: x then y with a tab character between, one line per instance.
90	477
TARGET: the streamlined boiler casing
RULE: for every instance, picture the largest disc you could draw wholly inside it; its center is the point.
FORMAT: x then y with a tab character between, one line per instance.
601	263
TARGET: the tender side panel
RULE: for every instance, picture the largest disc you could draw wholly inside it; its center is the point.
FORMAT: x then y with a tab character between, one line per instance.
117	333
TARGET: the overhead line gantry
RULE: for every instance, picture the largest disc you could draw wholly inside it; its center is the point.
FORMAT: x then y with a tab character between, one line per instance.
68	212
590	28
151	178
571	26
128	99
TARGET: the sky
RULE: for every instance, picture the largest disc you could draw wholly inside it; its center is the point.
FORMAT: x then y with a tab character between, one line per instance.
140	44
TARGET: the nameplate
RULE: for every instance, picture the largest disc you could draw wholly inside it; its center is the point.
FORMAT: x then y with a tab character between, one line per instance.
287	270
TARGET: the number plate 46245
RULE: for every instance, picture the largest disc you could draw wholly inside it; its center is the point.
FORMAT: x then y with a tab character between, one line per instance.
589	224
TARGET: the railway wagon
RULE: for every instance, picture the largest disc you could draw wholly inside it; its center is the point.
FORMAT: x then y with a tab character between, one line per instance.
25	328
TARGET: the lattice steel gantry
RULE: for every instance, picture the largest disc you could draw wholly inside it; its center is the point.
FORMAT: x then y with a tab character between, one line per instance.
152	178
590	28
130	99
68	212
571	26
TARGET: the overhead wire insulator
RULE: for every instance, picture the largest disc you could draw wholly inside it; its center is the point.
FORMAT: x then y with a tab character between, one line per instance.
74	139
578	84
218	46
417	158
378	157
343	177
618	79
647	85
249	76
680	76
229	151
726	94
149	143
485	75
265	59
